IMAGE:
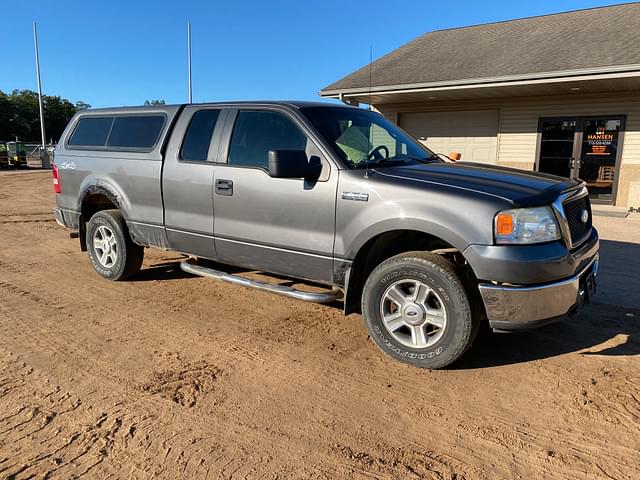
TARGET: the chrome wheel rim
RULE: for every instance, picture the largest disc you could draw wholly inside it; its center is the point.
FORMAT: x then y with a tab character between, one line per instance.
105	246
413	313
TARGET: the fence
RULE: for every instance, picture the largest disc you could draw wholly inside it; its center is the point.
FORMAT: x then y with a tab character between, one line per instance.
37	157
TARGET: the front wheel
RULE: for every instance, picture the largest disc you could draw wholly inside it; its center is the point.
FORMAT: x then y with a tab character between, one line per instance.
417	311
111	250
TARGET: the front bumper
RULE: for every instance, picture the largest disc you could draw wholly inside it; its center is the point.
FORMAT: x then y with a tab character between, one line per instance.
521	307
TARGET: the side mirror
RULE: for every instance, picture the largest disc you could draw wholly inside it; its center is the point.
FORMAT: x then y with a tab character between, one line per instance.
293	164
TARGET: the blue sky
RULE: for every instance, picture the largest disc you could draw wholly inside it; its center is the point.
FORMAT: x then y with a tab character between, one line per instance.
123	52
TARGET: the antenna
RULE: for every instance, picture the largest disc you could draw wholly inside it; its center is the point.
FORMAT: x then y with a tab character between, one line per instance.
366	172
370	73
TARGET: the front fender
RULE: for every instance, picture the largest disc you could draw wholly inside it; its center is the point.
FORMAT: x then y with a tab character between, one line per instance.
459	217
440	231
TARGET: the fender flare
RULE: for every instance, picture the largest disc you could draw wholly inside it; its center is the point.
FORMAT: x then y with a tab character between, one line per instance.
97	187
437	230
101	187
395	224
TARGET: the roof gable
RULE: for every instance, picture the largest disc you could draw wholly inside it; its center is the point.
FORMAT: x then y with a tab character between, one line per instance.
578	40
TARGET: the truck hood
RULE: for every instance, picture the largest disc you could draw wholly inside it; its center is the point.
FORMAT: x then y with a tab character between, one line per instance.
516	186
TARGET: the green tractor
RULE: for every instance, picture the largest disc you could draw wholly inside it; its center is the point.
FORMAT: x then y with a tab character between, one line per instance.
17	154
4	156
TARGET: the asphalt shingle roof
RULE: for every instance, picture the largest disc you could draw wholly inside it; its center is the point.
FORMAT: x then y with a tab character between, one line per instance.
583	39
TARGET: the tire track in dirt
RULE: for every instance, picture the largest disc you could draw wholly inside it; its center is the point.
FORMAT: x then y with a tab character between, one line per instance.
42	217
43	346
26	214
40	414
10	288
501	433
409	463
92	440
234	350
175	450
184	385
496	435
237	349
30	220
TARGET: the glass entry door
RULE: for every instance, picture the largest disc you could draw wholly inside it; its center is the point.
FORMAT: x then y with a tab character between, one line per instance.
587	148
598	155
558	146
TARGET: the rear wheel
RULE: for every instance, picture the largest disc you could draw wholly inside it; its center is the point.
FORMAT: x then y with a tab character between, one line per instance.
111	250
417	310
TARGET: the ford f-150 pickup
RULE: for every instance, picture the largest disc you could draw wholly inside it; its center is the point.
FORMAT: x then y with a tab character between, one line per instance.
336	196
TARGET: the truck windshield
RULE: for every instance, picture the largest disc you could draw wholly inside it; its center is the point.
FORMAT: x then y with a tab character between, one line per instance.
362	137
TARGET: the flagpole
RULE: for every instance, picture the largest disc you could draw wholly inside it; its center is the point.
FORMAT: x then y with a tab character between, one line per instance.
35	42
189	57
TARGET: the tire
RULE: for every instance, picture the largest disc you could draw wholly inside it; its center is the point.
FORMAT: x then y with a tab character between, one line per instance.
111	250
431	331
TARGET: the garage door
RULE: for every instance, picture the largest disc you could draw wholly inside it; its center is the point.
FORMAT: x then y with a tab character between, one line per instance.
473	133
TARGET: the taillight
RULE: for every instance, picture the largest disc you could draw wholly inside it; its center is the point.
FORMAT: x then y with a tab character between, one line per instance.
56	179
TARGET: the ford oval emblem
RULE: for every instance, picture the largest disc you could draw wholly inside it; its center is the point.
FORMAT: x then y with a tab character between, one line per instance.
584	216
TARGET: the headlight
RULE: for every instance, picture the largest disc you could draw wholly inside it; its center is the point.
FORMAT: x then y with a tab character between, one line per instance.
526	225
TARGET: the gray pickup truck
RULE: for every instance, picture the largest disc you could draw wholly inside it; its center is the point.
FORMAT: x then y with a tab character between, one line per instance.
340	198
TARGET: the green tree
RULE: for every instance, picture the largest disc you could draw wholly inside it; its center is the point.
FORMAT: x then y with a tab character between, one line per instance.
80	105
154	102
25	120
57	113
6	114
20	115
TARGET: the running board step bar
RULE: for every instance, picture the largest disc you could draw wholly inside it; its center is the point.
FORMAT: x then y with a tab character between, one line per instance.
190	266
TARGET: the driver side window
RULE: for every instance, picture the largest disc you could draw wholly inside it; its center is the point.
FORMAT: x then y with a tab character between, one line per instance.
257	132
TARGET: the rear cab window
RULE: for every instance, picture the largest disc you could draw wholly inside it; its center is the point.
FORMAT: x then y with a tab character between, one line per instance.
195	146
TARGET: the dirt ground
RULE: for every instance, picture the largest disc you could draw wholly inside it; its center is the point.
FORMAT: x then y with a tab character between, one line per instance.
173	376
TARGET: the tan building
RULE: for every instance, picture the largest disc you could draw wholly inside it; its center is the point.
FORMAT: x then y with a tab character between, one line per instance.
557	93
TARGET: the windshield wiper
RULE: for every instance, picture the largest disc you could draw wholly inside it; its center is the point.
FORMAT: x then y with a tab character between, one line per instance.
404	158
438	156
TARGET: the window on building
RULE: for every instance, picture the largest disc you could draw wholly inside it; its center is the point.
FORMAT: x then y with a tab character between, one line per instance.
257	132
195	146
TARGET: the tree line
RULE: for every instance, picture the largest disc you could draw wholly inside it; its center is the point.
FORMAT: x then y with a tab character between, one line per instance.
20	115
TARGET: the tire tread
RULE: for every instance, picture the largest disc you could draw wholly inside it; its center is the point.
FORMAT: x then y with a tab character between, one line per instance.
430	260
133	253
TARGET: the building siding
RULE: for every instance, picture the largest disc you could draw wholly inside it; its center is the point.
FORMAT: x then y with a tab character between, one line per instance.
518	127
519	136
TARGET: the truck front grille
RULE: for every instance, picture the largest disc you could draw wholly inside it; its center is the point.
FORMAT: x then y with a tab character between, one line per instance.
573	211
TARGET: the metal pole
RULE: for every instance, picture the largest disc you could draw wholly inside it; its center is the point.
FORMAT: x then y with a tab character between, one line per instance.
189	57
35	42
